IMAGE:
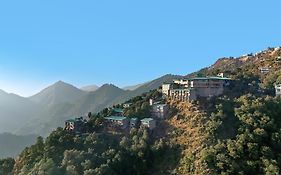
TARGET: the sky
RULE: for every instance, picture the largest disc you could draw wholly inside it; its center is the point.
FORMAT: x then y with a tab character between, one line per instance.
125	42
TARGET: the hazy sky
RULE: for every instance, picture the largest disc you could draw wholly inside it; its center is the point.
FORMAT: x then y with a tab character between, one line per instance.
125	42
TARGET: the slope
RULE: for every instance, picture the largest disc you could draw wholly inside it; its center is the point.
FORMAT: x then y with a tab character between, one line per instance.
14	111
11	145
90	88
107	95
57	93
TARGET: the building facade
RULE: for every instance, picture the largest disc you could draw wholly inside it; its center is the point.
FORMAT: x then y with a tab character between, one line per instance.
77	125
117	121
160	110
193	88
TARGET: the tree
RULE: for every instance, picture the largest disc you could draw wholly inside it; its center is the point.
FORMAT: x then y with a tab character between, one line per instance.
45	167
6	166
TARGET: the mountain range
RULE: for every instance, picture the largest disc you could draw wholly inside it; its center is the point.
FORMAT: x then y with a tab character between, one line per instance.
25	118
48	109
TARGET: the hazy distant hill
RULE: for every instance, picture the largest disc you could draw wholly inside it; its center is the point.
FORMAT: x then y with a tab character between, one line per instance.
133	87
48	109
59	92
14	111
90	88
11	145
105	96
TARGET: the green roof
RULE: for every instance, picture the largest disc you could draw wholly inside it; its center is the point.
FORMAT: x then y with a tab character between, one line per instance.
209	78
74	120
147	119
134	119
185	89
70	120
117	118
118	110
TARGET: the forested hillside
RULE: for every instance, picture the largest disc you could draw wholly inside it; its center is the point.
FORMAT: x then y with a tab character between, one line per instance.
238	132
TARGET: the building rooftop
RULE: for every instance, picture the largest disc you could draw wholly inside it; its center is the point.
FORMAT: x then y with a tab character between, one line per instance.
70	120
117	118
209	78
160	105
118	110
77	119
147	119
184	89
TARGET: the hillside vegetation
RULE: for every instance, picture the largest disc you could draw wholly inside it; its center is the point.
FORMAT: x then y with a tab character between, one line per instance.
236	133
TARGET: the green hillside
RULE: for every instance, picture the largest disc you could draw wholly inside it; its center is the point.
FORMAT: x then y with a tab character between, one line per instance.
238	132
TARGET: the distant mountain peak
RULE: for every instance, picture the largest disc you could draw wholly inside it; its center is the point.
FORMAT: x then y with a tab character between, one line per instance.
61	83
59	92
109	85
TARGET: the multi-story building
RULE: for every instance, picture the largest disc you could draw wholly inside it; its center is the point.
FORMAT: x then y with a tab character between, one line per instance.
193	88
117	121
160	110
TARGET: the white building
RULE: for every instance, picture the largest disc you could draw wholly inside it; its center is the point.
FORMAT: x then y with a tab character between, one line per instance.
278	89
264	70
149	123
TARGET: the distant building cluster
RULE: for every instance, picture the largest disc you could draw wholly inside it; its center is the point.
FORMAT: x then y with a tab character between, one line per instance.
119	121
193	88
189	89
183	89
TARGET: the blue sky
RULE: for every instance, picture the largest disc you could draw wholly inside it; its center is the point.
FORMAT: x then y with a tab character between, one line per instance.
125	42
